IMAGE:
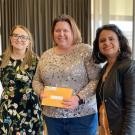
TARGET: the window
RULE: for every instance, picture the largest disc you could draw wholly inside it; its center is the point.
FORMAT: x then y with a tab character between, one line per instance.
113	11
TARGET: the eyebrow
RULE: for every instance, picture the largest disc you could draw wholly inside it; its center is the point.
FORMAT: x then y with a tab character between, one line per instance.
20	34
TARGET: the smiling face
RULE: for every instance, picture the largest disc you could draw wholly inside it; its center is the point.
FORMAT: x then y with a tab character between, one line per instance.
109	44
63	35
19	39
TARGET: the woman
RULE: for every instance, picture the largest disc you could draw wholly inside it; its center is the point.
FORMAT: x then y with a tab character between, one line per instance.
69	64
116	88
20	111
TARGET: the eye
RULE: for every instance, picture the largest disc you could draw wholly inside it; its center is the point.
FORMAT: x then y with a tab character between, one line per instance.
65	30
102	40
24	37
57	30
111	38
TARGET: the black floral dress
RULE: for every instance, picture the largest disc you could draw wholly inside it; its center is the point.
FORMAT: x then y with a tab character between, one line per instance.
20	110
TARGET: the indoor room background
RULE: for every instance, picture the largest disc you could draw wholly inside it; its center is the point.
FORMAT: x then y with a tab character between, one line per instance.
38	16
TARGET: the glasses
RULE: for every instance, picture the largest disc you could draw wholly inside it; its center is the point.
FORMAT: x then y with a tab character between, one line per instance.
22	37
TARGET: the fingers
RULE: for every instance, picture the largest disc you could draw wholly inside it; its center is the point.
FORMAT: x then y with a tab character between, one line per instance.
42	95
71	103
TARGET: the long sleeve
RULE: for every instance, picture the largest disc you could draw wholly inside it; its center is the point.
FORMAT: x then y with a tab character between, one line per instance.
37	83
128	125
93	71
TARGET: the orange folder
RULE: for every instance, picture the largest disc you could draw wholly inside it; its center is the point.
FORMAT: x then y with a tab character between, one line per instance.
55	96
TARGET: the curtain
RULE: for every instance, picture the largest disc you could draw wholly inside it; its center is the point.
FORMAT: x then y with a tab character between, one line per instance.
38	15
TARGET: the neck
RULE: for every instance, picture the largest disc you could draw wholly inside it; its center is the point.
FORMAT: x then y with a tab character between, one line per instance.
60	50
18	54
111	61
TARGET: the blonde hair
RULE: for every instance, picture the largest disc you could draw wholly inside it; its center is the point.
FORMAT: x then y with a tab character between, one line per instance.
76	32
29	52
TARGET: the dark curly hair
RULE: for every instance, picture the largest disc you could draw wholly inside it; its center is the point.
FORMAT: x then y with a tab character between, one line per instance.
125	50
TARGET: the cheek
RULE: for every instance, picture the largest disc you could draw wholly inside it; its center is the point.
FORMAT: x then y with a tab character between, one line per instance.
55	34
100	48
28	43
12	41
71	38
55	37
117	47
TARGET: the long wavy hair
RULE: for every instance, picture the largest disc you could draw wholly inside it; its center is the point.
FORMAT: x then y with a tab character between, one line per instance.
125	50
29	51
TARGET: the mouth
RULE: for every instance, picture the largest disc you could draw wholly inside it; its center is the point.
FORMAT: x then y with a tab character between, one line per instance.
107	48
61	39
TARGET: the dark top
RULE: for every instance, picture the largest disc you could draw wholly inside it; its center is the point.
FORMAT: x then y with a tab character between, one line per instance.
19	105
119	96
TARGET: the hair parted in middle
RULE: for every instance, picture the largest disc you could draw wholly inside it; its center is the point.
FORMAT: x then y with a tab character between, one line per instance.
74	28
29	52
125	50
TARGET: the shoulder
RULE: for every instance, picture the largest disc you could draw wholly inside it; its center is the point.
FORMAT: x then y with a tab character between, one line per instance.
45	56
127	66
84	49
47	53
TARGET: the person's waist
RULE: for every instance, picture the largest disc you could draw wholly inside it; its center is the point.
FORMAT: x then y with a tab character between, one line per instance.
82	110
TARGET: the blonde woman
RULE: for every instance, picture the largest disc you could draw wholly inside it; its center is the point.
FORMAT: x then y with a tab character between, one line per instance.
20	111
69	64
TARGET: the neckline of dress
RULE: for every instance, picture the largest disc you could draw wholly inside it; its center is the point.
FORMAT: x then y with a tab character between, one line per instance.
64	54
16	59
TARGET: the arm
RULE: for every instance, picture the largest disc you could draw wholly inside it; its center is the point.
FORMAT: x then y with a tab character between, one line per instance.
93	71
37	83
129	101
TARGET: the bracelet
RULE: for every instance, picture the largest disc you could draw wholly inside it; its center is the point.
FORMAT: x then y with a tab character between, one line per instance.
81	101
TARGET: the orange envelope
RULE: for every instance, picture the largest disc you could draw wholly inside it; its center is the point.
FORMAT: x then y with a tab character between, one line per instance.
55	96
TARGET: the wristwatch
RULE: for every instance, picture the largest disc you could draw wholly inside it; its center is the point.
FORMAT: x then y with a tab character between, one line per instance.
81	101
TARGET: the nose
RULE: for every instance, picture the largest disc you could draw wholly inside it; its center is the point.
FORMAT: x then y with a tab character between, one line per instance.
61	32
107	42
19	38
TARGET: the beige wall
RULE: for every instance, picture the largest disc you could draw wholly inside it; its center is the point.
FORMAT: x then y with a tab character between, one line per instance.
121	7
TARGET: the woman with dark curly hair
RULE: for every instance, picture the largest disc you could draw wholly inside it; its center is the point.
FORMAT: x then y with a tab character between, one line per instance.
116	88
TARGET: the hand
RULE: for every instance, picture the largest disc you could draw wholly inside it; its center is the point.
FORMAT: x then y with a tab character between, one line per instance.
42	95
71	103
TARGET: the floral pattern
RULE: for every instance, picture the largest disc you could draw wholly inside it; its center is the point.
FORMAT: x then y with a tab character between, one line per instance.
20	111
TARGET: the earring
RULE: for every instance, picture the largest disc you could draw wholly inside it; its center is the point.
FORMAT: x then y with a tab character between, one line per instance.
119	49
99	55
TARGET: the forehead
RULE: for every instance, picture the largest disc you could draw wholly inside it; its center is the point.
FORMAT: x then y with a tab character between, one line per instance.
62	24
107	33
20	31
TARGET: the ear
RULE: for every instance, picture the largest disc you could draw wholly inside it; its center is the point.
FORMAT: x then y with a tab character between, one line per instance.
10	37
29	42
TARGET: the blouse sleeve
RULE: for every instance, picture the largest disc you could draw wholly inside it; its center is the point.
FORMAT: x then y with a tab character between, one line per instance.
129	100
37	83
93	71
